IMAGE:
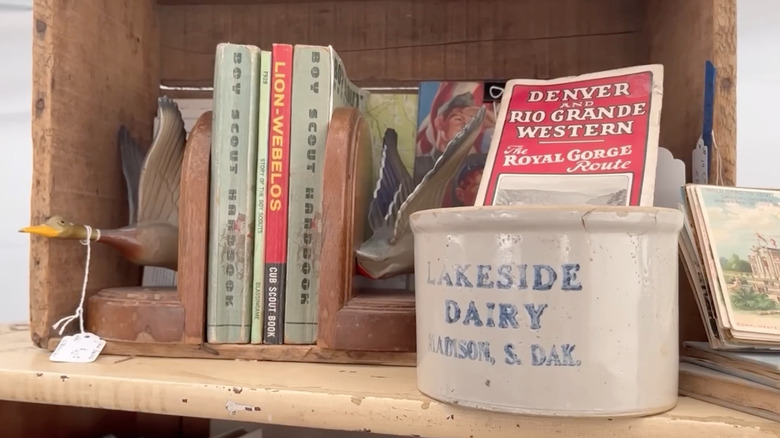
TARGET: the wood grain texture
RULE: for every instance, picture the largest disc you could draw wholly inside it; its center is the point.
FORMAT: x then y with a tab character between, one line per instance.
337	262
30	420
349	318
136	314
682	36
233	2
724	56
86	82
194	229
405	41
709	385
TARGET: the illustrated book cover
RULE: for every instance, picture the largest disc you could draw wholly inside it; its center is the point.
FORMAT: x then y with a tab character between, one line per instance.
444	108
729	246
588	139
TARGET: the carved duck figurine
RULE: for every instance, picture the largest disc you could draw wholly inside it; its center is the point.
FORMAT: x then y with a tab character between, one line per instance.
152	178
390	249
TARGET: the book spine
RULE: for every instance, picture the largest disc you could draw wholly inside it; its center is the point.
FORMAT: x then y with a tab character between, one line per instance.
277	182
258	293
343	92
311	100
234	155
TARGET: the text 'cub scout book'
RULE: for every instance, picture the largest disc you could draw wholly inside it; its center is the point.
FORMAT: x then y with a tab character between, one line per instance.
588	139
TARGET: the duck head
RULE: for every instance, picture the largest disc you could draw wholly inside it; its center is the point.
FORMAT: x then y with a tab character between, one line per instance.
58	227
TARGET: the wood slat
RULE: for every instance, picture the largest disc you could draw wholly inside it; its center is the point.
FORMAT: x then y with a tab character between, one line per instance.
26	420
86	81
683	36
405	41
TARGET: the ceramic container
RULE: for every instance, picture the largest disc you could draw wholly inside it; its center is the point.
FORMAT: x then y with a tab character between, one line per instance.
550	310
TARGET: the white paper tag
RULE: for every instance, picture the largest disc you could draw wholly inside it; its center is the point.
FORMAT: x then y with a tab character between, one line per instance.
79	348
699	164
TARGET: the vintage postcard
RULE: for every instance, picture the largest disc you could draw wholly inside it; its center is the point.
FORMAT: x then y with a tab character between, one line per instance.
742	229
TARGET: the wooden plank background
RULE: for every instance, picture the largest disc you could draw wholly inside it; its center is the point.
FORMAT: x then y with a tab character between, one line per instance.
95	65
405	41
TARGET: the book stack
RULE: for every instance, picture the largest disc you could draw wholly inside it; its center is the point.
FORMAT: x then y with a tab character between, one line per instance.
271	112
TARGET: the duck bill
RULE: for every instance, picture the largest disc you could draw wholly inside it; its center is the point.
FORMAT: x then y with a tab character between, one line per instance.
41	230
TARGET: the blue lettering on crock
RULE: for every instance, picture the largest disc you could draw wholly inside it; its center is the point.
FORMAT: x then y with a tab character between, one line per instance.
512	311
507	314
507	276
461	348
539	357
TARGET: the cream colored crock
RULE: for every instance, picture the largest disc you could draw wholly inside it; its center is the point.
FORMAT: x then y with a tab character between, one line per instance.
553	310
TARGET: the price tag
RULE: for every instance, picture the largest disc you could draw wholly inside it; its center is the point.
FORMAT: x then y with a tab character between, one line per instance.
700	164
78	348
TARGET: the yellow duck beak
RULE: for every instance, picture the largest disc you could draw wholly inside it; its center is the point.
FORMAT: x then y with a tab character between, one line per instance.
41	230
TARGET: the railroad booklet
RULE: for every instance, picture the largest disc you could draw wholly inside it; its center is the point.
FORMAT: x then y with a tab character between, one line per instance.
588	139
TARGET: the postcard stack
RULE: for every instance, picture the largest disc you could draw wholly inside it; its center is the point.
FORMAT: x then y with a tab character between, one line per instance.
731	254
729	246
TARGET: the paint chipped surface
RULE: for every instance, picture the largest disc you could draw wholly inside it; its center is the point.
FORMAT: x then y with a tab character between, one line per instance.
233	407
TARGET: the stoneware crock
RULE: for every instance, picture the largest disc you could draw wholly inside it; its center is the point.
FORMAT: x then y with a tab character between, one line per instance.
550	310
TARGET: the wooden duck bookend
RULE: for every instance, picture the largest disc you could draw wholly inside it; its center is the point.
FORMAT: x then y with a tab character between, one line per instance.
153	179
352	317
160	314
151	237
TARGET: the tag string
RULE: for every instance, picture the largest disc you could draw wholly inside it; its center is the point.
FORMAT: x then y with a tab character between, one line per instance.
80	310
717	160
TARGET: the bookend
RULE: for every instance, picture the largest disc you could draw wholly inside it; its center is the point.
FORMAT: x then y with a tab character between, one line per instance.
356	326
354	318
167	314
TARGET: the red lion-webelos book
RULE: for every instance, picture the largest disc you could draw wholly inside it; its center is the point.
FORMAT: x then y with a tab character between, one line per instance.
588	139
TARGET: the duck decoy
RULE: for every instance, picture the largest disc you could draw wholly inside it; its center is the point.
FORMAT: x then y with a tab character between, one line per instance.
152	179
390	249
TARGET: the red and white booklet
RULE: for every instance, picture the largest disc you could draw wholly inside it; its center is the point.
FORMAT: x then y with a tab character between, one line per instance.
588	139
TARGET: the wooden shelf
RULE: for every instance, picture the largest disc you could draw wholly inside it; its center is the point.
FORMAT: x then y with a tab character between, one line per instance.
376	398
231	2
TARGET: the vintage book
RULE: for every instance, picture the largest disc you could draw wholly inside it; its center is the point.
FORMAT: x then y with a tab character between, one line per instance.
277	186
261	190
730	253
232	198
730	391
762	367
588	139
319	85
444	108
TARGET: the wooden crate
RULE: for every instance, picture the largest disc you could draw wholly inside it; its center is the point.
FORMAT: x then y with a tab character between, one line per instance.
100	63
